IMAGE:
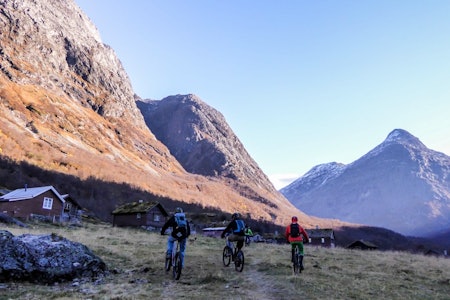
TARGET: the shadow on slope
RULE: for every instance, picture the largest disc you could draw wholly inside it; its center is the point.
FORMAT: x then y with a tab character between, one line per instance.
100	198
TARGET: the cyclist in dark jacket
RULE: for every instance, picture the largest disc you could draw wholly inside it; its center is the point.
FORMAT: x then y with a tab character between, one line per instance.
181	230
236	230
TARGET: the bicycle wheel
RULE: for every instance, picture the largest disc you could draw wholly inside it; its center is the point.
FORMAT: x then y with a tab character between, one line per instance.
227	254
296	263
168	262
177	267
239	261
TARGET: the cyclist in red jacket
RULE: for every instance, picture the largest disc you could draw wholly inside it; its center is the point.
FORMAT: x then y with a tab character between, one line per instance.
294	235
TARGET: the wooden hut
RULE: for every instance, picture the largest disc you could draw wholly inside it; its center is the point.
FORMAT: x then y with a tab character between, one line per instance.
213	231
42	202
151	215
362	245
321	237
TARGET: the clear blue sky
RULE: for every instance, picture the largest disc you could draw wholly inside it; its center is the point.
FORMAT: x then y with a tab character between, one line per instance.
300	82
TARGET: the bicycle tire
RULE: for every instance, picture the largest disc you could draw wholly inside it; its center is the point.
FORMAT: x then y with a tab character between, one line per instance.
296	263
168	263
239	261
177	267
227	254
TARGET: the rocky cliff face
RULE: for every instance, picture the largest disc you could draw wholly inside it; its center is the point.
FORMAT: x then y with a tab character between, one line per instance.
67	106
400	185
201	140
52	44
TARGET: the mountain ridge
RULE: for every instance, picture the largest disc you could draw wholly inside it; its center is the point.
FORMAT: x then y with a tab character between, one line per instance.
399	185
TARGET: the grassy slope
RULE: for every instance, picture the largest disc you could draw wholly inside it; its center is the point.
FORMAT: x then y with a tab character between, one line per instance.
136	258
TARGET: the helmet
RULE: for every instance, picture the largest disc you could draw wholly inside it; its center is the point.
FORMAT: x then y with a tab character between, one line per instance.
235	216
294	219
178	210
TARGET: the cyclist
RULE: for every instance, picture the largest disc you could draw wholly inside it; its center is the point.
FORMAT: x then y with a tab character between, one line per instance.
248	235
236	228
294	233
180	231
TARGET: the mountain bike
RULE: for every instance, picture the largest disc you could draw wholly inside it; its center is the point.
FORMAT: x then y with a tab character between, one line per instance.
231	253
297	263
174	261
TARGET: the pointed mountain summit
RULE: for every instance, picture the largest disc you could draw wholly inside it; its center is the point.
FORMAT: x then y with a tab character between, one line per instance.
200	138
401	136
400	185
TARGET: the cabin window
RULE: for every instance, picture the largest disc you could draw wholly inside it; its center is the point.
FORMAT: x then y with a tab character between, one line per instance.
310	240
138	215
323	240
156	218
48	203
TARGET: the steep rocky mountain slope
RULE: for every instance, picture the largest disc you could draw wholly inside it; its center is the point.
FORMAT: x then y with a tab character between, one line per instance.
400	185
201	140
67	106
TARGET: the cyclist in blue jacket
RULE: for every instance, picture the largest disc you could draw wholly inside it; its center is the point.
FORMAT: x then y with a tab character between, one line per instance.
181	230
236	229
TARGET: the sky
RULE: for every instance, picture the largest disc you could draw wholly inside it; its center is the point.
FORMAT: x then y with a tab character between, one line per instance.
300	83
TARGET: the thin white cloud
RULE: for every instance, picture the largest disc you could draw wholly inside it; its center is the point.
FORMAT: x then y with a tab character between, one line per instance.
282	180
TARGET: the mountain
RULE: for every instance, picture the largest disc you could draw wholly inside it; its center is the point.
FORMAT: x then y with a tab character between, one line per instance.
400	185
69	118
201	140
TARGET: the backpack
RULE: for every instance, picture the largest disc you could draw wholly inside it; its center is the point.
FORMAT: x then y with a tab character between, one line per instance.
180	230
240	226
295	230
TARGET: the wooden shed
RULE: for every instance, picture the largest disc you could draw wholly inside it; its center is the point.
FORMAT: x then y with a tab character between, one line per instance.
362	245
37	201
213	231
72	210
321	237
151	215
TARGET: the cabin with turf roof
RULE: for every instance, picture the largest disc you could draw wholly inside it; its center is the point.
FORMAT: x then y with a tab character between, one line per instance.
150	215
362	245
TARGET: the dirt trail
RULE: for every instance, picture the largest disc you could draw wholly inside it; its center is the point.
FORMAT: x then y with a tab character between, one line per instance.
258	285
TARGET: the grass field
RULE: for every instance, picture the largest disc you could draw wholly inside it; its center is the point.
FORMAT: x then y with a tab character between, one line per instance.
136	260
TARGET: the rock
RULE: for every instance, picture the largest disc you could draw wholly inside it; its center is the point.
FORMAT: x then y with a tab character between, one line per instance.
46	259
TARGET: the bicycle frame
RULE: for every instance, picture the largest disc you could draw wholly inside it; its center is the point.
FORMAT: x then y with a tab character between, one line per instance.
237	255
230	244
174	261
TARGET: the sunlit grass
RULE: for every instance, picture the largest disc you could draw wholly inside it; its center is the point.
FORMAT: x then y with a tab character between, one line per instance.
136	258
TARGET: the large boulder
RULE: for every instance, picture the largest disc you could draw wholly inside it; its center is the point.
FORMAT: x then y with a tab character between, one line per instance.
46	258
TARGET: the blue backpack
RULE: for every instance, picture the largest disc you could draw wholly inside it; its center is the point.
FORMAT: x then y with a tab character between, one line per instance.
180	218
240	226
180	231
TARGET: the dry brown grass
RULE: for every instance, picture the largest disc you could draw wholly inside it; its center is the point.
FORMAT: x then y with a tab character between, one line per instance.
136	258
